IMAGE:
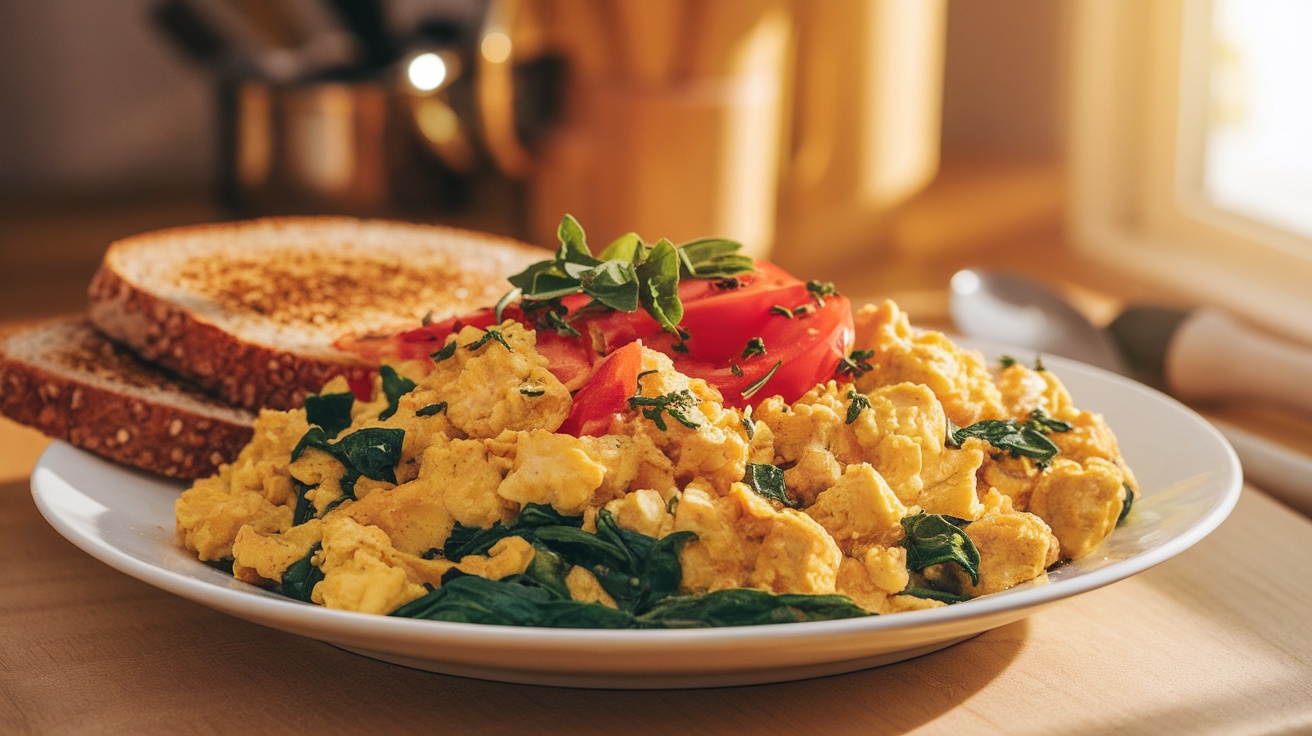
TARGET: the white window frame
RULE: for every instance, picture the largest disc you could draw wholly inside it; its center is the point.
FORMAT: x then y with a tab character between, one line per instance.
1139	98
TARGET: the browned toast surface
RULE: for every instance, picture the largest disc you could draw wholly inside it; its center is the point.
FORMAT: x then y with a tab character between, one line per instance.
252	310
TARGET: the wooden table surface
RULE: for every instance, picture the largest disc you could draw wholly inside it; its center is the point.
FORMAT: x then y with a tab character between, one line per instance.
1215	640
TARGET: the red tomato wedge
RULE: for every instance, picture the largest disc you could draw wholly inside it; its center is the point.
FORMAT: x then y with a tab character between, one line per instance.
804	336
606	393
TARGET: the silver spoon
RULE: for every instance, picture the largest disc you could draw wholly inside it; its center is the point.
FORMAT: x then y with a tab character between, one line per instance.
1015	310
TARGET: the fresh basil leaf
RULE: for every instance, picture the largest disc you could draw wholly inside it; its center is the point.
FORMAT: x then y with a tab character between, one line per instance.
714	258
768	482
395	386
626	247
614	284
573	243
933	539
658	279
332	412
299	579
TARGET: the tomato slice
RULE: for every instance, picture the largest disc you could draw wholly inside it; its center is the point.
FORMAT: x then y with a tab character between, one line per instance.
606	393
805	337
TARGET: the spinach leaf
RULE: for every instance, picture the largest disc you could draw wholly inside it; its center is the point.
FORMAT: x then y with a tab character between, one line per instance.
1021	439
934	594
932	539
394	387
304	510
768	482
372	452
1126	505
746	607
658	277
330	411
299	579
467	540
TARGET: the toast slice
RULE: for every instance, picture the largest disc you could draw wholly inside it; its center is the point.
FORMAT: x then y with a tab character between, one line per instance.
250	311
64	378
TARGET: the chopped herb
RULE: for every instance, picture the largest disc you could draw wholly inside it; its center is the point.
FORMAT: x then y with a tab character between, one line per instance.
768	482
532	389
447	351
856	364
1126	504
1006	361
431	409
672	505
821	289
491	334
674	403
859	402
779	309
755	346
394	387
736	369
749	426
1021	439
1038	364
933	539
759	383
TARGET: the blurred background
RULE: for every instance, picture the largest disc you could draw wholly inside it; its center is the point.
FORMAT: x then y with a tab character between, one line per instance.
1113	153
127	116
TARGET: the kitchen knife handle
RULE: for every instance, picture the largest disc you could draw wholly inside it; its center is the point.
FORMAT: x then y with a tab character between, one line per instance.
1214	356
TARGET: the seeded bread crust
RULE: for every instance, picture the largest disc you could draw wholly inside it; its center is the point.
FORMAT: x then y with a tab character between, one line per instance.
250	311
68	381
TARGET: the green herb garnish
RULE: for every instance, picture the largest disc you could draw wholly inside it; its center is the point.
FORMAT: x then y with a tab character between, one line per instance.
445	352
332	412
675	403
299	579
933	539
491	334
759	383
821	289
1022	439
627	274
781	310
768	482
755	346
856	364
859	402
431	409
394	387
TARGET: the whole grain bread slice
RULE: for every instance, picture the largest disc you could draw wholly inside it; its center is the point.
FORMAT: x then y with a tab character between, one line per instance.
64	378
251	311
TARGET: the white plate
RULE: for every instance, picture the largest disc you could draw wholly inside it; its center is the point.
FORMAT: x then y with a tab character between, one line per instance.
1189	478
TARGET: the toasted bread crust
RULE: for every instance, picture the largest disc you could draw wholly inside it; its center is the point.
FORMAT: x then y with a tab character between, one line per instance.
143	420
252	311
244	374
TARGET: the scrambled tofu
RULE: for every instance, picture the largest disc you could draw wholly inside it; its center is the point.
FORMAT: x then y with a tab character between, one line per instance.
816	497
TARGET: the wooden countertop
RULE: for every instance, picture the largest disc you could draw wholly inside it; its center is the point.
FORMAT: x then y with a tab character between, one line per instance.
1212	641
